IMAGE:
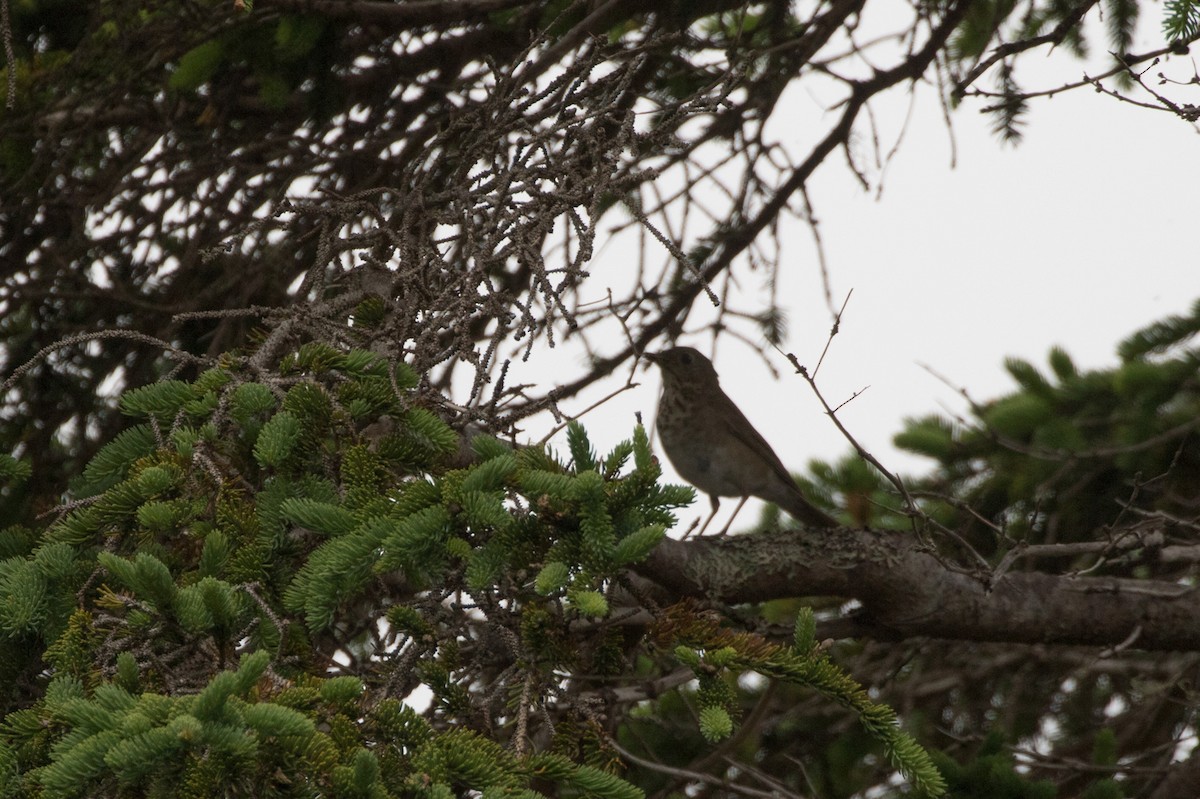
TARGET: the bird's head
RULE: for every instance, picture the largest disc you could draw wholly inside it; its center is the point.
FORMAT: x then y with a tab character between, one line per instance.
684	365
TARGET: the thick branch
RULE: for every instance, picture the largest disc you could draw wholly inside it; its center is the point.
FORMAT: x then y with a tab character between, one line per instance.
907	592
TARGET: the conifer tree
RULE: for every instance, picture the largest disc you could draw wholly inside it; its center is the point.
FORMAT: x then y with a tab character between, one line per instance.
301	545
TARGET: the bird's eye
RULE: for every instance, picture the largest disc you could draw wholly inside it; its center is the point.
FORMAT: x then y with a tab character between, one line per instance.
685	358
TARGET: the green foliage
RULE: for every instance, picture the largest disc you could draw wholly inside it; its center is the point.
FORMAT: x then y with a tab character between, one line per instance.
336	571
161	516
270	533
1104	751
367	397
428	438
214	556
127	677
638	544
491	475
1173	331
1120	20
114	459
715	724
979	26
311	405
865	494
35	590
1182	20
342	690
597	536
487	447
1070	442
134	738
315	357
323	517
1009	111
1028	377
210	606
1019	415
804	634
277	439
248	405
991	774
553	577
1062	364
24	593
296	36
145	575
198	66
13	470
1053	16
932	436
601	783
582	456
715	648
162	401
588	603
412	541
986	22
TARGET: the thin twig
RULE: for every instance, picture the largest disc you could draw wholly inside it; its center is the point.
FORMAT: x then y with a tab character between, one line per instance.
695	776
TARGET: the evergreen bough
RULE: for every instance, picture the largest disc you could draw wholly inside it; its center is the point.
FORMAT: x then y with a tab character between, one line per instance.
178	629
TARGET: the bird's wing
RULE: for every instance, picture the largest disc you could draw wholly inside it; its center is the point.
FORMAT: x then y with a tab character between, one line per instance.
730	416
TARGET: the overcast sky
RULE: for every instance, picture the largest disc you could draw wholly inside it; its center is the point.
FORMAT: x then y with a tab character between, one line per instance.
1077	237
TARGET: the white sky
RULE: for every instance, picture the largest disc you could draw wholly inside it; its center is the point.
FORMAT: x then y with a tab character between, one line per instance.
1077	237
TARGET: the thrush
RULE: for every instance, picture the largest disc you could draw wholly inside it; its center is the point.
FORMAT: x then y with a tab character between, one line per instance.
712	444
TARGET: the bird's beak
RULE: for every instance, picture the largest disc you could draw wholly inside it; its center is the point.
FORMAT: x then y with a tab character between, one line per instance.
652	357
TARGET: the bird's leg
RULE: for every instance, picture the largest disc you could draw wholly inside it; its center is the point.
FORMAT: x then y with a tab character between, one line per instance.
716	503
725	529
691	529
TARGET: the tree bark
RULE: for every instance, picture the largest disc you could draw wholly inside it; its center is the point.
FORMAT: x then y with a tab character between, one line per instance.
906	590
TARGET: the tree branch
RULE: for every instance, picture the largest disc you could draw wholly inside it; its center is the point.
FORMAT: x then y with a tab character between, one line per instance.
739	239
1055	37
908	592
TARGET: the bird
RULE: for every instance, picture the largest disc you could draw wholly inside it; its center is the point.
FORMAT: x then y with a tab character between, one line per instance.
712	444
